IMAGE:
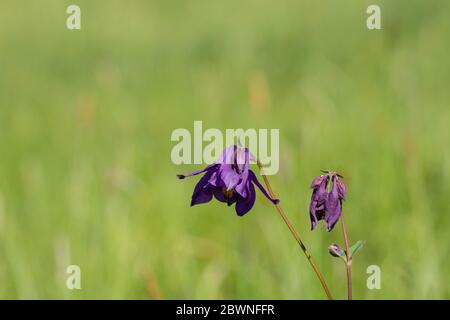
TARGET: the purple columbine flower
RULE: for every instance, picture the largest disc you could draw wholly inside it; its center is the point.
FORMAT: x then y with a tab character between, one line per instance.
229	180
326	203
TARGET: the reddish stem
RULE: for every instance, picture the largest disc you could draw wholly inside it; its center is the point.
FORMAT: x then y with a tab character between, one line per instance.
296	236
348	259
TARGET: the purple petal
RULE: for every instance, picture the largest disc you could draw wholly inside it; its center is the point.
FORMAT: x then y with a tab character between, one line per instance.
196	172
242	187
317	181
215	180
229	177
321	191
228	155
202	191
318	200
243	205
219	195
341	188
333	206
242	158
252	177
312	214
204	196
333	215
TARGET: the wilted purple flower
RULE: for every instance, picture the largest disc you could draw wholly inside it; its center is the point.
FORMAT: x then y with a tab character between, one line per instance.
229	180
326	204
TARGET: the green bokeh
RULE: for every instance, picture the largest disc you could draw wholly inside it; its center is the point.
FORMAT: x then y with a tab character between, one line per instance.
85	124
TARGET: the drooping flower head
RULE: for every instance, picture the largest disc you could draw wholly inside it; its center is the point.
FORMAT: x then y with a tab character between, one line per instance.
326	200
229	180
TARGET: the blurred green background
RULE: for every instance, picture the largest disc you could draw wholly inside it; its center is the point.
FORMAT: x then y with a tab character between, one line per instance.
86	118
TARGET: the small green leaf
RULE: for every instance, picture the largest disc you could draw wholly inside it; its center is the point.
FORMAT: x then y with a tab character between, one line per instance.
356	247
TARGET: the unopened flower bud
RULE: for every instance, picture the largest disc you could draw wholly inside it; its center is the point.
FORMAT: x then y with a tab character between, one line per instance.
335	250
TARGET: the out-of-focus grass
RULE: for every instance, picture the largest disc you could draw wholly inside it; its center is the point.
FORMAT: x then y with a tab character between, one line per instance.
86	118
